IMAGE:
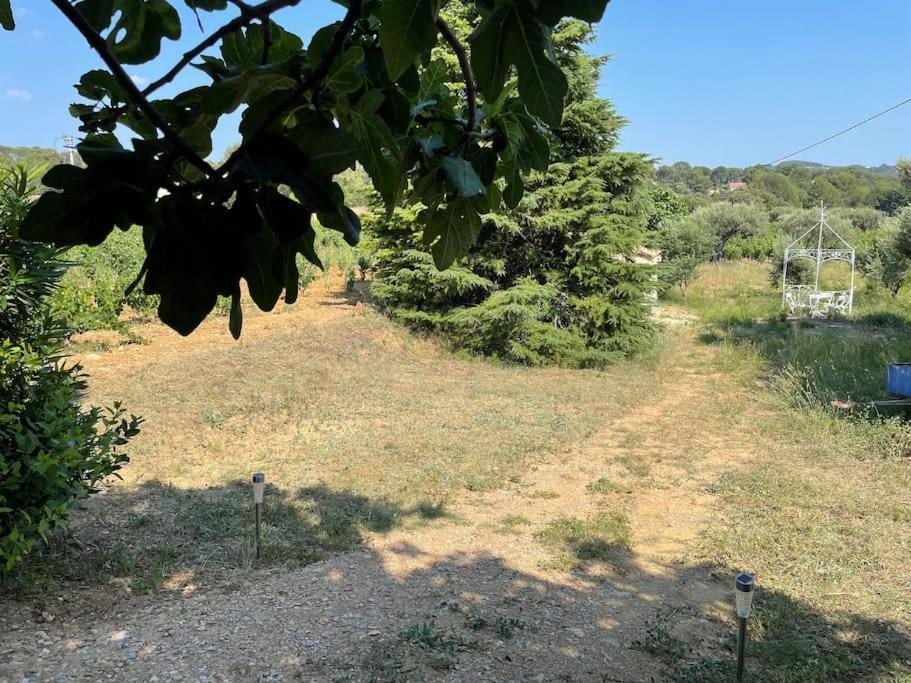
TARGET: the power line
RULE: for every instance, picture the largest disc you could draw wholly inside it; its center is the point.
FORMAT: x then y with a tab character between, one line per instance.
842	132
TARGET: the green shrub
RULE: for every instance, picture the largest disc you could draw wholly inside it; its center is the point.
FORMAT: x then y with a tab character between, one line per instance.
92	293
53	452
759	247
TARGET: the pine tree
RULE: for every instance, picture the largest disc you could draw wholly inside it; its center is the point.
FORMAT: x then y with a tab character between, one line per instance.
551	281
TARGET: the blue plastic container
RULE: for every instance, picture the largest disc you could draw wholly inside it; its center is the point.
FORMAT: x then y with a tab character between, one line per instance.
898	379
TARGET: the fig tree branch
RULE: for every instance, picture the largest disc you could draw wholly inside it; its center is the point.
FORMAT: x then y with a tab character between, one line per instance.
471	88
248	14
97	43
312	81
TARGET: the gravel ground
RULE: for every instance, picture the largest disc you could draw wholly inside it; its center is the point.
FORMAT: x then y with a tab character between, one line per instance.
343	620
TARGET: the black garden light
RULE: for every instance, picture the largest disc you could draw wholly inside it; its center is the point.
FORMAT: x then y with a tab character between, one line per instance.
743	598
259	489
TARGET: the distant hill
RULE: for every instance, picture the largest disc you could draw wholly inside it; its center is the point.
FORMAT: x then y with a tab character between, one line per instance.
885	169
792	183
30	156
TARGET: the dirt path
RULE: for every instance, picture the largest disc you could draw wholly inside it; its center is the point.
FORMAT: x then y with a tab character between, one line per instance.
472	596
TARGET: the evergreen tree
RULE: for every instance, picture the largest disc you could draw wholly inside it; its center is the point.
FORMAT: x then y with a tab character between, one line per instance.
553	280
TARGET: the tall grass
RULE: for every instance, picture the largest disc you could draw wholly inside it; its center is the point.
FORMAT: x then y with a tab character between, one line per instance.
813	365
733	293
744	292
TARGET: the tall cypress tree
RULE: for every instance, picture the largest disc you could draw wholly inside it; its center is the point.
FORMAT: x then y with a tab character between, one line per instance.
551	281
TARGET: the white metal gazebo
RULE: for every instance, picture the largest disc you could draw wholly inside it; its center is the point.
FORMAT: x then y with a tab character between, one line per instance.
819	244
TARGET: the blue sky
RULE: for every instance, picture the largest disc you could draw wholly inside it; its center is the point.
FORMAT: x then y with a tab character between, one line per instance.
706	81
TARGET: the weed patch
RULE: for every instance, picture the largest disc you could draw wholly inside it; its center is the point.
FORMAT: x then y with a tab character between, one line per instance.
605	485
595	538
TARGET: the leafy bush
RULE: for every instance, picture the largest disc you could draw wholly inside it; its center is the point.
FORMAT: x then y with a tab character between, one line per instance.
686	244
889	261
53	452
759	247
92	294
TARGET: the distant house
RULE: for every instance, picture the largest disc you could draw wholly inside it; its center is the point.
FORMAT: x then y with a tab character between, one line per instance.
735	185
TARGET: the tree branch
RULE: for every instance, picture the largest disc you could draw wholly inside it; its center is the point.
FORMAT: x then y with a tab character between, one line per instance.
313	80
97	43
242	6
267	41
471	88
248	14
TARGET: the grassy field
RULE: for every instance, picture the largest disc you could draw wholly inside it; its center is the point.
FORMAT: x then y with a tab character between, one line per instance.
357	425
361	427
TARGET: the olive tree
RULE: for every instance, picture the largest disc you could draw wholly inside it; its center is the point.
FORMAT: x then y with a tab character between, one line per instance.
725	220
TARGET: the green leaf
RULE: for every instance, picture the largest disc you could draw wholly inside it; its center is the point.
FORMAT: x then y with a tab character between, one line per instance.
329	150
320	43
140	28
542	85
187	115
407	31
244	49
463	176
236	317
378	151
207	5
535	152
512	193
430	145
115	189
6	16
433	81
271	158
345	75
488	52
259	254
288	219
306	245
290	275
261	108
543	88
452	231
99	83
513	35
254	83
213	67
189	267
290	222
97	12
345	221
552	11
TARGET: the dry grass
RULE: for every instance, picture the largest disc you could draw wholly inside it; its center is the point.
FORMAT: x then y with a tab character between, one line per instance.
356	424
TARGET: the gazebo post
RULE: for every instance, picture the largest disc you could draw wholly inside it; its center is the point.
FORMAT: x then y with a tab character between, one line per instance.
822	222
851	294
784	277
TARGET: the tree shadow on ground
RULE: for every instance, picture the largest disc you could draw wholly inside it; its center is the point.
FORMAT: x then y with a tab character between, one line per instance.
139	538
396	613
358	292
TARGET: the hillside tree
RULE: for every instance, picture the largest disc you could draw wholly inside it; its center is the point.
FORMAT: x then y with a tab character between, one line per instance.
686	243
889	265
725	220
